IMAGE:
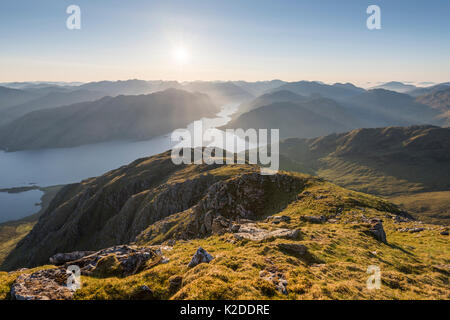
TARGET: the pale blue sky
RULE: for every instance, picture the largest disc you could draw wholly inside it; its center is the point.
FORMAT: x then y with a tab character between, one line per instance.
225	40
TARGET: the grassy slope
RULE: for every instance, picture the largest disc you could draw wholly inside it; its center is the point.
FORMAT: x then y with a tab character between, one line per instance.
432	207
413	266
13	231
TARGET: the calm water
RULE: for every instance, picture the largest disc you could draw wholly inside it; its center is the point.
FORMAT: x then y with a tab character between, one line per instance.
67	165
14	206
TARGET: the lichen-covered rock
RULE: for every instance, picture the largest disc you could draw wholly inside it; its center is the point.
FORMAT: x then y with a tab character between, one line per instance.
175	283
200	256
313	219
118	261
294	248
48	284
250	231
61	258
278	219
377	230
273	275
411	230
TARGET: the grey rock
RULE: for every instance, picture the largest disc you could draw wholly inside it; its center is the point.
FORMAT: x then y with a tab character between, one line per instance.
48	284
200	256
252	232
377	230
294	248
61	258
314	219
175	283
278	219
411	230
130	259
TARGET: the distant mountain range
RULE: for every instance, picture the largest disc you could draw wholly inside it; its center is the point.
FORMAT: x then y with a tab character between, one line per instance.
396	86
308	88
110	118
220	92
10	97
306	117
51	100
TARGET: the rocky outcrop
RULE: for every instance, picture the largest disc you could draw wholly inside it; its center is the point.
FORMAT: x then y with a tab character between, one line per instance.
294	248
252	232
411	230
278	219
275	276
200	256
61	258
48	284
54	284
118	261
226	204
377	230
313	219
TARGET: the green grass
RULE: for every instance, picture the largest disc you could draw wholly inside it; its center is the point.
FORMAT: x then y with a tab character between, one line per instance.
431	207
413	266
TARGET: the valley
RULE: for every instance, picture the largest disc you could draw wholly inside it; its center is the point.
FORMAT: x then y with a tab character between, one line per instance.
342	178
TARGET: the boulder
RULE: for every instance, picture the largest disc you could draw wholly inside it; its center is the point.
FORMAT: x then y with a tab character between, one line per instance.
271	274
200	256
62	258
48	284
143	293
411	230
251	232
313	219
220	225
294	248
175	283
119	261
377	230
278	219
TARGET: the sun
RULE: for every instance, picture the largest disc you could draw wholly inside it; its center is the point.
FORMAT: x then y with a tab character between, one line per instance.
181	55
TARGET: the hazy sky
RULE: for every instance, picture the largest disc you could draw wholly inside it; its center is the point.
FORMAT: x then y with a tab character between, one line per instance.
225	40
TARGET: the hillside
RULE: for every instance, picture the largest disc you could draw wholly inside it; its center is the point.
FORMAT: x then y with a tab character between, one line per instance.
220	92
392	108
439	100
119	118
269	98
422	91
305	119
10	97
318	246
311	116
50	100
259	87
384	161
